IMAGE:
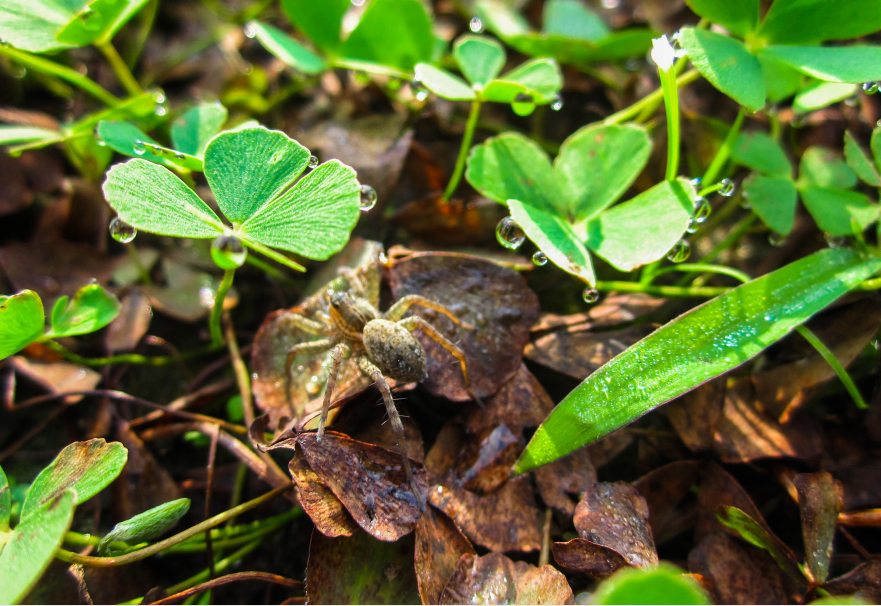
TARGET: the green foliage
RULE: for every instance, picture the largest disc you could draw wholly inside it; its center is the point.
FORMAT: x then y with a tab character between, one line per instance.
192	130
288	50
48	25
572	34
91	309
813	21
820	95
702	344
21	321
5	508
753	532
740	18
85	468
146	525
664	584
253	174
564	207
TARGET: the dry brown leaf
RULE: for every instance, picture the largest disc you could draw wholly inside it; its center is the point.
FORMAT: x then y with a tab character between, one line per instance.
570	475
696	414
450	223
53	269
717	488
323	507
439	545
583	556
57	377
664	489
495	579
819	499
864	580
132	323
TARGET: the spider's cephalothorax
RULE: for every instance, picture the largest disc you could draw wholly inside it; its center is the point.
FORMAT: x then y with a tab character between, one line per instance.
381	343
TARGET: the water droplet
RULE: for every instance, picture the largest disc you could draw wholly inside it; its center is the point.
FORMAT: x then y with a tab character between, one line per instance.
591	295
680	252
418	90
540	258
368	198
476	25
160	110
702	209
158	95
835	241
610	4
102	143
122	231
870	88
19	72
557	103
250	30
92	20
770	317
696	183
510	234
775	239
692	226
179	156
727	188
228	252
277	156
139	147
523	104
313	386
313	161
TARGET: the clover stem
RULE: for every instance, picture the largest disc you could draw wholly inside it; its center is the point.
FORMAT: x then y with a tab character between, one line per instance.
130	358
123	74
671	105
470	126
45	66
724	151
629	112
835	364
707	292
217	309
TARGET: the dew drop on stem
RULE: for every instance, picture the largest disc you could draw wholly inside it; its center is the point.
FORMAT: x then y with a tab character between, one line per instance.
696	183
122	231
835	241
420	93
692	226
540	258
590	295
313	161
776	239
139	148
727	188
510	234
680	252
228	252
870	88
702	210
557	103
368	198
250	30
476	25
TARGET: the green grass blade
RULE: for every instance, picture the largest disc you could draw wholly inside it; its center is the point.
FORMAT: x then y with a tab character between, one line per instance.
694	348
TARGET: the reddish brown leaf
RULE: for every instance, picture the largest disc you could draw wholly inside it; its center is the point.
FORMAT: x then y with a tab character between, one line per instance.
360	570
614	309
819	499
576	352
604	451
56	377
581	555
439	545
615	516
664	489
454	223
695	415
739	573
495	579
493	299
132	323
318	501
864	580
719	488
54	269
571	475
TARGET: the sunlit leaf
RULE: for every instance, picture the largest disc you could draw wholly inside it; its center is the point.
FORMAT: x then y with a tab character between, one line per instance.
541	76
822	94
320	21
21	321
740	17
853	64
84	467
751	531
773	199
810	21
192	131
664	584
860	162
146	525
572	19
824	167
481	59
129	140
91	309
392	32
694	348
443	83
98	21
32	546
833	209
761	153
13	134
781	81
291	52
5	508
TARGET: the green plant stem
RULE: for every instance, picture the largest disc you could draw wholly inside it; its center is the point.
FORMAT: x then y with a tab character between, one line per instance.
65	73
832	361
130	358
705	267
370	68
724	151
123	74
467	137
630	112
217	310
703	292
274	255
671	105
135	556
874	284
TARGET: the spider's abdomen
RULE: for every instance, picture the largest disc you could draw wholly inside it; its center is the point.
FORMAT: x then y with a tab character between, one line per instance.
395	351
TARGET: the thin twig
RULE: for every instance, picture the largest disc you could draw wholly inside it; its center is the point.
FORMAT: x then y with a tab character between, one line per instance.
232	578
212	456
241	371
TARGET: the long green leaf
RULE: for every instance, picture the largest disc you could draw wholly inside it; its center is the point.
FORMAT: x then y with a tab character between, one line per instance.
287	49
694	348
146	525
853	64
21	321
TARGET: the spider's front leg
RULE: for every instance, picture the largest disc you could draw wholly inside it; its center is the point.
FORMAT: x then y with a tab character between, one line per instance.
397	311
370	369
340	351
311	347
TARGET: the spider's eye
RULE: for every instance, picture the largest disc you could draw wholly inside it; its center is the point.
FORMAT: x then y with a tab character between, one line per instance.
336	299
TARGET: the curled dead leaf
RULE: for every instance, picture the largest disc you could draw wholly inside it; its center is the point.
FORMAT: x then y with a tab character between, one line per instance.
495	579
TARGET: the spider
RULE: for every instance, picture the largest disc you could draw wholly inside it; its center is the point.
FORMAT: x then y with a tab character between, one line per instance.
381	343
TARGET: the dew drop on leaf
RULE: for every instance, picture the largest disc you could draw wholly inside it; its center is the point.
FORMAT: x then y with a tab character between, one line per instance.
523	104
727	188
870	88
557	103
160	110
692	226
250	30
835	241
540	258
702	210
277	156
313	161
775	239
680	252
420	93
122	231
368	198
139	147
590	295
510	234
476	25
228	252
696	183
92	20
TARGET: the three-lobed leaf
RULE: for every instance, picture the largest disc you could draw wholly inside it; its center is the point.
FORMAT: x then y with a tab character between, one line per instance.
85	468
443	83
663	584
572	19
761	153
98	22
320	21
92	308
396	33
480	58
824	167
129	140
773	199
702	344
835	210
192	130
21	321
146	525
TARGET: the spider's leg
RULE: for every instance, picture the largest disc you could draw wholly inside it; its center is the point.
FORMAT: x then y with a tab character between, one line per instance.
355	283
414	322
370	369
340	351
397	311
320	329
311	347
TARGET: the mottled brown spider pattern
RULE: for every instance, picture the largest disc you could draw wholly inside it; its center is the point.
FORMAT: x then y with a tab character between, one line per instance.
381	344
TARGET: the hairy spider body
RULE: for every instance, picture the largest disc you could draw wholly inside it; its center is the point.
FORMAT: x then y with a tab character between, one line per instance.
382	345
